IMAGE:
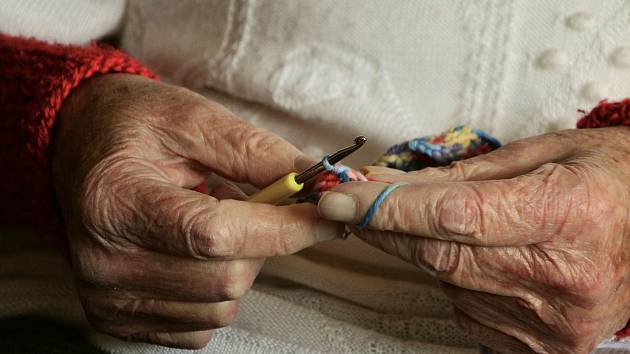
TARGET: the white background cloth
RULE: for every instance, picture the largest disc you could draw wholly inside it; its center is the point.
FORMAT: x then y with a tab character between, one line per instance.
319	73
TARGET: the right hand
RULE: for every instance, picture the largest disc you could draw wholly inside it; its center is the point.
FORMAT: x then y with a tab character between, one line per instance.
155	261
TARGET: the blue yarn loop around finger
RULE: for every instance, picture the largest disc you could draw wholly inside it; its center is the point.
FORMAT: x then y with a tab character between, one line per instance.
377	203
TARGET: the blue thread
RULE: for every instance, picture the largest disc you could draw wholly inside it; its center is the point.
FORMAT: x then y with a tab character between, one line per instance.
327	166
340	170
377	203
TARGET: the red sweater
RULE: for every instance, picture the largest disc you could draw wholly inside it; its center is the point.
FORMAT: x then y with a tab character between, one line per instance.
36	77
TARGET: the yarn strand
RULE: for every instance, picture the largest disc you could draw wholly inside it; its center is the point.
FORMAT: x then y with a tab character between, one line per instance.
377	203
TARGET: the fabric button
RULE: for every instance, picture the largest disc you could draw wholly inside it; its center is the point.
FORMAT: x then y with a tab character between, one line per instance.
620	57
579	21
551	59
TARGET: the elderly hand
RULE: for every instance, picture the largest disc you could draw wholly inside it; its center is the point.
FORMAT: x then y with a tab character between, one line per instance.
531	241
154	260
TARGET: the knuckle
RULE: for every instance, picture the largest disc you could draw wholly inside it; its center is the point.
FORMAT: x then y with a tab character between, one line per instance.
97	269
440	257
593	288
576	199
226	313
396	214
461	169
233	289
207	236
459	217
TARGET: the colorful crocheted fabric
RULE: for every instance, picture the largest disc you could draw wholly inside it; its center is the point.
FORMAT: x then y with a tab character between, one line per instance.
454	144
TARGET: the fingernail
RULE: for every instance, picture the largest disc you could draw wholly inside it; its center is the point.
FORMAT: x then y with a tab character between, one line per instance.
329	230
304	162
337	206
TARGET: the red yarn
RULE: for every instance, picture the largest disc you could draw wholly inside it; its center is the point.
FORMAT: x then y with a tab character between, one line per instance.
35	78
606	114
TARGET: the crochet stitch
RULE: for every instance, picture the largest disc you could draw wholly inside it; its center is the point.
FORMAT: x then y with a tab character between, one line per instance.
457	143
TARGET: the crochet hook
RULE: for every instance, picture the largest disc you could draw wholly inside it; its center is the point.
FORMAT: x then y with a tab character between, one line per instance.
294	182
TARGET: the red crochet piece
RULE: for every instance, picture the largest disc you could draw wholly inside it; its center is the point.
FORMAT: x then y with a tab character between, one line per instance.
35	78
606	114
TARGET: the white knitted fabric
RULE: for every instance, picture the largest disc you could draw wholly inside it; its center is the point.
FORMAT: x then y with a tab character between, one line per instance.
319	73
62	21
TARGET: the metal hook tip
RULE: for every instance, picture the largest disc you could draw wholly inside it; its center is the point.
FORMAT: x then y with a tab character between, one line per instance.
360	140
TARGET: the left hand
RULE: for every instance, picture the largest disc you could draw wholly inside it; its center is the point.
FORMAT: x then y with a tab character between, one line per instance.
531	241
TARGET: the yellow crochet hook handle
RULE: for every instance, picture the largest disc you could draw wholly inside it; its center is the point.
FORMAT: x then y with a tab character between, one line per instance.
278	190
293	182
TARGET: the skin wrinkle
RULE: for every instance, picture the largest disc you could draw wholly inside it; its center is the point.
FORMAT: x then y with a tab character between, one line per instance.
124	149
557	233
489	320
449	206
480	207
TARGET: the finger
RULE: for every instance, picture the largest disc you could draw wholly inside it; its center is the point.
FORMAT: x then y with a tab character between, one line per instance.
381	170
513	159
157	276
488	336
485	269
230	146
505	315
123	316
173	220
227	190
181	340
519	211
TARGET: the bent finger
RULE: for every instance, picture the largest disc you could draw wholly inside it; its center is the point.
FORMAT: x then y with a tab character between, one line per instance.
163	277
232	147
483	269
489	337
506	315
128	316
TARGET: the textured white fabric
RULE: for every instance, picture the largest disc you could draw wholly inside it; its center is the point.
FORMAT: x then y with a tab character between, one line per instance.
62	21
321	72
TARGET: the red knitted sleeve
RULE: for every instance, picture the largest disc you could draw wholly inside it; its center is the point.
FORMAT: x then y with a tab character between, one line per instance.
35	78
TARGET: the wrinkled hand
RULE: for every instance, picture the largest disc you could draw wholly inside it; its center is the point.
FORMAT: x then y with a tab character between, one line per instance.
154	260
530	241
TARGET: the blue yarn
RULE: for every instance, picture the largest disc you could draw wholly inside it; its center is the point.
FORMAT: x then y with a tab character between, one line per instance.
377	203
327	165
